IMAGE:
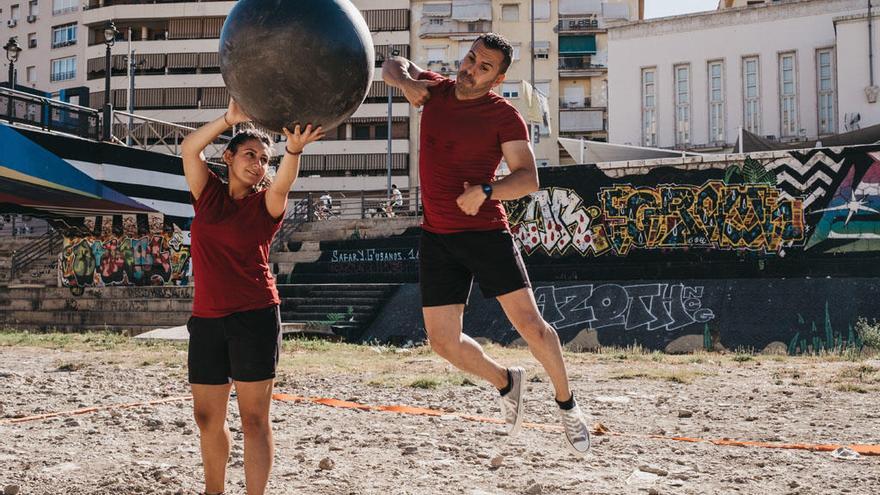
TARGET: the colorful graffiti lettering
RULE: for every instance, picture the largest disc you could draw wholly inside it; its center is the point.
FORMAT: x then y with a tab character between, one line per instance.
553	219
648	307
715	215
155	259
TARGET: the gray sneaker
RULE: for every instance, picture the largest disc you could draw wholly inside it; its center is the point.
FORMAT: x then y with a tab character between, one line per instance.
577	432
512	402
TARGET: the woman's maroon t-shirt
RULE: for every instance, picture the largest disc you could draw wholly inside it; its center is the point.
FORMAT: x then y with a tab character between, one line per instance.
230	252
460	142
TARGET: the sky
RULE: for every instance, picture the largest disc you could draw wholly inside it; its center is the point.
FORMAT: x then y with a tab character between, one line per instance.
662	8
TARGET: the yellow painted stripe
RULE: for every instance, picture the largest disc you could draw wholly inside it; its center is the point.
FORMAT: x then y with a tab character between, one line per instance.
16	175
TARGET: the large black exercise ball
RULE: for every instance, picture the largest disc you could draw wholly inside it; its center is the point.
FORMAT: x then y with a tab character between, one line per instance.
290	62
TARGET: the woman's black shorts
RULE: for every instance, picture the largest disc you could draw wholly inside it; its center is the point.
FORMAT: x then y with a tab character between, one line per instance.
241	346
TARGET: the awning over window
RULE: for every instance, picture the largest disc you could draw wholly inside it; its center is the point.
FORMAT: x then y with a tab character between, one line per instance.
577	45
437	9
580	7
542	47
472	10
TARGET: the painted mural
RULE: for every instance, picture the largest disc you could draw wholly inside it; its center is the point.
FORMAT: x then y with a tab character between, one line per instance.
124	250
822	201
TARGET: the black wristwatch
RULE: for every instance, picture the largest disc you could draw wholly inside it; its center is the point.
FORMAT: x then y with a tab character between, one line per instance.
487	190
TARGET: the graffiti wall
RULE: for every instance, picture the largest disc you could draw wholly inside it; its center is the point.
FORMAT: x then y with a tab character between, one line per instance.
779	250
795	316
124	250
806	213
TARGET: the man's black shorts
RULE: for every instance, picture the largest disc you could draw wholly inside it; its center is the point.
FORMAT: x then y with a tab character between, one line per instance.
450	262
242	346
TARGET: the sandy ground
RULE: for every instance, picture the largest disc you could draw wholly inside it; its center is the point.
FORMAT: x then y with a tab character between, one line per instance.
154	449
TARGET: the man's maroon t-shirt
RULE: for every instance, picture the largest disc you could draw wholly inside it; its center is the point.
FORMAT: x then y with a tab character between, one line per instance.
230	252
461	142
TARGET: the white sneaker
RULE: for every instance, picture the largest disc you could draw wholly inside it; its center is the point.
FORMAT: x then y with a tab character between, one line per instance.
577	432
512	402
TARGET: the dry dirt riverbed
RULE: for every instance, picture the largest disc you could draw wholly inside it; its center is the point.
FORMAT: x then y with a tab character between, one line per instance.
153	449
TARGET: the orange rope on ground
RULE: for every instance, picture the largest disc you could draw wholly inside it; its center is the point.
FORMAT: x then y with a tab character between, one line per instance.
598	429
87	410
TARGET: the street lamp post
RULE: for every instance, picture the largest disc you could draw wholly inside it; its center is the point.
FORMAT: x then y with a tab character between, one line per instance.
12	50
110	33
394	53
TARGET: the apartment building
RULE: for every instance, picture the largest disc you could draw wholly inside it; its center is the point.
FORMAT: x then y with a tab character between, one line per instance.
49	33
177	76
583	63
570	56
788	70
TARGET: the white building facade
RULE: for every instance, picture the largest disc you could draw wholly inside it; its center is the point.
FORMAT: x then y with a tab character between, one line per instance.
776	69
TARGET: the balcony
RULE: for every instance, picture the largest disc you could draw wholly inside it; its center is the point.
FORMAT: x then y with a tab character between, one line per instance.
63	43
444	68
96	4
586	120
568	104
578	25
441	27
579	66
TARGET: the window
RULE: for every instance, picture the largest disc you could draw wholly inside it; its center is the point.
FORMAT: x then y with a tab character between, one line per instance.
788	96
542	50
510	13
31	74
381	131
360	132
64	35
33	8
32	40
516	48
510	89
751	95
682	104
542	10
435	21
649	107
825	85
63	69
436	53
716	102
64	6
14	12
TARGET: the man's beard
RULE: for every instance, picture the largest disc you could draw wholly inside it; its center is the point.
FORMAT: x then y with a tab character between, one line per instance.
470	86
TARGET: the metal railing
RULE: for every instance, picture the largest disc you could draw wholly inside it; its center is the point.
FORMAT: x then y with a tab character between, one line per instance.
96	4
48	114
49	243
577	24
360	205
157	135
569	104
578	62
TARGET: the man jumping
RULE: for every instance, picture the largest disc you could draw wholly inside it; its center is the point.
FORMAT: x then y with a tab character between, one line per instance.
465	131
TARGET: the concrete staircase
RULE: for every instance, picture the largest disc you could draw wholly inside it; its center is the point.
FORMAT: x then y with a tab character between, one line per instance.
43	271
343	310
334	229
128	309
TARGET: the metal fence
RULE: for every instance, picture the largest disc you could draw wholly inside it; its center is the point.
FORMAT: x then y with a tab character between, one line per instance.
48	114
156	135
321	207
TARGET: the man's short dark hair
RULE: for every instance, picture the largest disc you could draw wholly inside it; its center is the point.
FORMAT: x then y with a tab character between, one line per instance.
500	43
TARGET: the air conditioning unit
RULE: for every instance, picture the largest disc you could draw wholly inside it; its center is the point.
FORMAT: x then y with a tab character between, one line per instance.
32	19
12	23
